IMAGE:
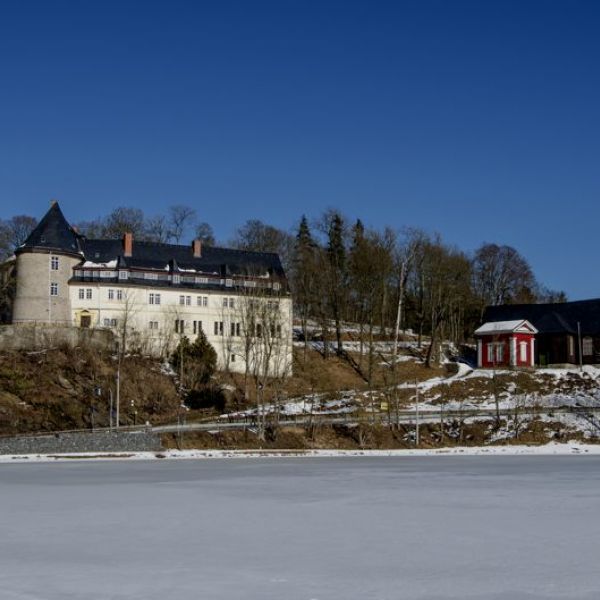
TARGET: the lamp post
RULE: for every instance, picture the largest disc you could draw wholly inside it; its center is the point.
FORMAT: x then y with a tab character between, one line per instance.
118	386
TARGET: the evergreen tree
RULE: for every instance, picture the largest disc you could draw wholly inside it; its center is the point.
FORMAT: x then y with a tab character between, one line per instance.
195	362
336	254
304	276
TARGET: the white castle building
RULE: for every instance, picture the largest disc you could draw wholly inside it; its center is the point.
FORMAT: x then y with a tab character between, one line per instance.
151	295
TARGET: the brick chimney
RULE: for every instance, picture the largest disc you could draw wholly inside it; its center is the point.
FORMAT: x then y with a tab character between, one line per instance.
128	244
197	248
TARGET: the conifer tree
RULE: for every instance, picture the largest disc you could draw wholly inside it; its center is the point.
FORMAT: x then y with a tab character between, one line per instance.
336	254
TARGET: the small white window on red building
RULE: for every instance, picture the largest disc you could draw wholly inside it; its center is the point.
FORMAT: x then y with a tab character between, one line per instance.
499	353
523	351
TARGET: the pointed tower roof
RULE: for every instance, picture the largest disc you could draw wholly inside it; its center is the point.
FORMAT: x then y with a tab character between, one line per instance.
53	233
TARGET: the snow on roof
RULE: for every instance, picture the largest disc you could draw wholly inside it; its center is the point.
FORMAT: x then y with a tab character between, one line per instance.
506	327
111	264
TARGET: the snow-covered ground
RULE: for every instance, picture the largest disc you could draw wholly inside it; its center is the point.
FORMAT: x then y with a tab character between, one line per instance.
480	527
430	398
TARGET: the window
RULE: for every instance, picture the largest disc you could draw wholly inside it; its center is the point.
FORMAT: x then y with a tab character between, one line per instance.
153	325
258	330
237	329
176	279
81	293
179	325
154	298
231	303
523	351
54	263
571	345
202	300
181	300
88	294
205	301
218	327
276	286
120	296
233	358
499	353
233	329
153	276
123	275
110	322
111	294
225	302
188	300
228	282
588	346
54	289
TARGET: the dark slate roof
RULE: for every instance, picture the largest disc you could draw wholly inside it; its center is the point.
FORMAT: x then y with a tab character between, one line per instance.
151	255
53	233
551	318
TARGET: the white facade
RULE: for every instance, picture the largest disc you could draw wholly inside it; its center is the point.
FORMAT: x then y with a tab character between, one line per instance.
242	327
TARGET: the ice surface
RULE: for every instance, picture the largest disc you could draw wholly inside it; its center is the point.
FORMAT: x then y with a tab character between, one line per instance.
470	527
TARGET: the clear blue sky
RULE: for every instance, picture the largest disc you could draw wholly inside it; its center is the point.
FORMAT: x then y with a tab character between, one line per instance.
479	120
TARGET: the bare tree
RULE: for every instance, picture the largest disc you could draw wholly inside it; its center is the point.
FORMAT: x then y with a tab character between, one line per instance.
502	276
180	219
257	236
13	232
157	229
124	219
205	233
262	340
404	258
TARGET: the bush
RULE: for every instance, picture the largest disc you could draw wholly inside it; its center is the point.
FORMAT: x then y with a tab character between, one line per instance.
208	397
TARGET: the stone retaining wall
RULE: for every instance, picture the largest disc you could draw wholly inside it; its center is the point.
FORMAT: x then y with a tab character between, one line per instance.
73	443
39	337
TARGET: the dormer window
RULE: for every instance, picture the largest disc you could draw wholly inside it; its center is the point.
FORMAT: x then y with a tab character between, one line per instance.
123	275
176	279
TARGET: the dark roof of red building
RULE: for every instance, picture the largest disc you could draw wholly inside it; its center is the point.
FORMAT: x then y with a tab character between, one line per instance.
552	318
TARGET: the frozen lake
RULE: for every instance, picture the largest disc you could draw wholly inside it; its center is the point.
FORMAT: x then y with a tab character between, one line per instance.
302	529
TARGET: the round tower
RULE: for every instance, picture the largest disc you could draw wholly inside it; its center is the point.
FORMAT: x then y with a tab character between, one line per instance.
44	267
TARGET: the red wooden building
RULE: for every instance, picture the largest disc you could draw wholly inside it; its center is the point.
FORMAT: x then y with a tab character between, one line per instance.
506	344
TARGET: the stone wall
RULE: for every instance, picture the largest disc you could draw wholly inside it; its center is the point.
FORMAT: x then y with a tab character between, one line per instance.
74	443
38	337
